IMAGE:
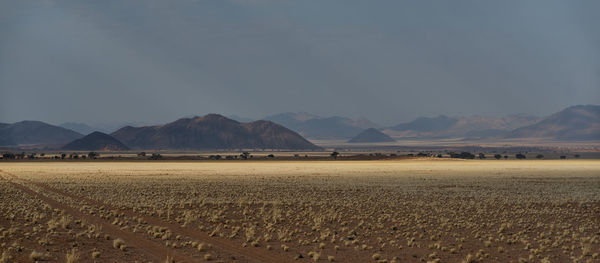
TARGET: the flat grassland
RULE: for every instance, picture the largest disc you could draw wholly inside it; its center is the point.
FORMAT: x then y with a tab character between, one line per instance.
420	210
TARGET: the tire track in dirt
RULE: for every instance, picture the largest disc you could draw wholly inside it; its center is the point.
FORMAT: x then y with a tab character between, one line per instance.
153	251
249	254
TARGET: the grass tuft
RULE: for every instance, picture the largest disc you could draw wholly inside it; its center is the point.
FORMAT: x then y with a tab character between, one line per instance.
72	256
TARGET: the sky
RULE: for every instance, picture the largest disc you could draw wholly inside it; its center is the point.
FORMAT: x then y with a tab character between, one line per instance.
154	61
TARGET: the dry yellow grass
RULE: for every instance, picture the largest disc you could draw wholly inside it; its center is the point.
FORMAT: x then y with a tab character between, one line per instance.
359	211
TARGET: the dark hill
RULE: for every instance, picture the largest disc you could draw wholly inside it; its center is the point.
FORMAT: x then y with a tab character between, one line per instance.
212	131
35	133
96	141
371	135
580	122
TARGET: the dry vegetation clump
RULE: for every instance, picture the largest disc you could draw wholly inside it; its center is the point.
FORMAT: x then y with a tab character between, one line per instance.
72	256
31	230
376	211
119	244
36	256
5	257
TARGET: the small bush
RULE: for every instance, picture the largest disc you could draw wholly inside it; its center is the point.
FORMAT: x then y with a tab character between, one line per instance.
36	256
119	244
5	258
376	256
73	256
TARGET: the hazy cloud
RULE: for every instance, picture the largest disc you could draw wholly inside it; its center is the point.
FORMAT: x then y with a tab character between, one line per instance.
389	61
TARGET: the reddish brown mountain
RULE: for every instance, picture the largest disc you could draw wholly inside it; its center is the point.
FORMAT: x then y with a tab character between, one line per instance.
96	141
213	131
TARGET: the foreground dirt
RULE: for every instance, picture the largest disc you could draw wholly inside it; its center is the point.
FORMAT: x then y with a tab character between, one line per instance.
364	211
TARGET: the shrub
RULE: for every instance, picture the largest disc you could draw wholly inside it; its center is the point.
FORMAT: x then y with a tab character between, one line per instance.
469	259
462	155
316	256
5	258
73	256
119	244
36	256
376	256
245	155
9	156
155	156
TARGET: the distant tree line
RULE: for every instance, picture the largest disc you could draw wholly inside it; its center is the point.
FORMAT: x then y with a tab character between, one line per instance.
519	156
22	155
462	155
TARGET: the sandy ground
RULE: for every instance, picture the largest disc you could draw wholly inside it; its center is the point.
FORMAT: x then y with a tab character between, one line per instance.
341	211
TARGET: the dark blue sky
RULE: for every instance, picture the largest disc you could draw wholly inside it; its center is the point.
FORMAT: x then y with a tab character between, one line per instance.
389	61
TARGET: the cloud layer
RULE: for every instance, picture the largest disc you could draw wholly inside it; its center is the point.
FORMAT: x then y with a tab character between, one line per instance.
389	61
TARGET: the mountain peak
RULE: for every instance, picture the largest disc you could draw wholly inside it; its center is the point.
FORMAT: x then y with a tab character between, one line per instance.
96	141
580	122
371	135
35	133
213	131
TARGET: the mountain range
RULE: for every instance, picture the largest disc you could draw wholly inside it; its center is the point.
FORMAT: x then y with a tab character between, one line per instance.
469	127
576	123
212	131
580	122
316	127
107	127
35	133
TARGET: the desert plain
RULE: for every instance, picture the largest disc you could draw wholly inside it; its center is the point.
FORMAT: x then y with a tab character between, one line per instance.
411	210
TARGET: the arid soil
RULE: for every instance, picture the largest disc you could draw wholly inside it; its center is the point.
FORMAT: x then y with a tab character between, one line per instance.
424	210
